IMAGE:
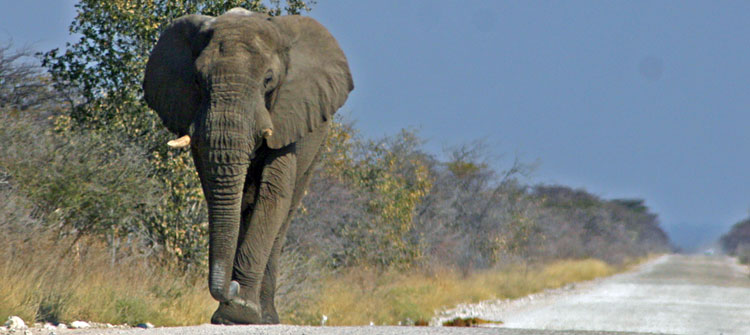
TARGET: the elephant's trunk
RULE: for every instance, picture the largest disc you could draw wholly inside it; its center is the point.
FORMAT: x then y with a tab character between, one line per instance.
226	158
224	203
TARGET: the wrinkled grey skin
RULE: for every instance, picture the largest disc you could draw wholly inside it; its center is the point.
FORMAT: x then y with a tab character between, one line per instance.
222	81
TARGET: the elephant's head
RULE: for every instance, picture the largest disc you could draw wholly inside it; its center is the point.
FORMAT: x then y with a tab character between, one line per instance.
230	84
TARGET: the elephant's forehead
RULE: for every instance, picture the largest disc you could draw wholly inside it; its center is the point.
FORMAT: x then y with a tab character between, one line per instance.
240	11
253	32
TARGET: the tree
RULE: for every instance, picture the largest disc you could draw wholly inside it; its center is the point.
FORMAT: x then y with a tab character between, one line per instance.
474	215
737	238
365	198
23	85
103	72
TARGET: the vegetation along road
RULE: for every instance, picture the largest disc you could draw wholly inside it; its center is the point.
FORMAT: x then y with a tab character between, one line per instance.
673	294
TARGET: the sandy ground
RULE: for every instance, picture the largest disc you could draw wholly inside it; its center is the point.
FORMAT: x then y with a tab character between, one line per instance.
674	294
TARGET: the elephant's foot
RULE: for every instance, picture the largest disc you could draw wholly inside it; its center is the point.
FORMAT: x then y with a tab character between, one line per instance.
269	314
237	311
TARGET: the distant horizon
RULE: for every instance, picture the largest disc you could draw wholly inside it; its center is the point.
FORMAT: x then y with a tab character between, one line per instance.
625	100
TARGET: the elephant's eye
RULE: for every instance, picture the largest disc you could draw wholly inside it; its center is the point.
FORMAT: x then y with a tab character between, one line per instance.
267	80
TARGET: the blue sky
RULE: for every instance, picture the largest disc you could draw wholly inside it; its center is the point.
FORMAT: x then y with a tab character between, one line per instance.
625	99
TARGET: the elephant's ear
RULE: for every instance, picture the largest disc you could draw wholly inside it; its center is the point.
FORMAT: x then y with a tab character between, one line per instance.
169	84
316	84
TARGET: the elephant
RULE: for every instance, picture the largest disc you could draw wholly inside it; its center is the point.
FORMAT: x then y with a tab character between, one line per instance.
252	96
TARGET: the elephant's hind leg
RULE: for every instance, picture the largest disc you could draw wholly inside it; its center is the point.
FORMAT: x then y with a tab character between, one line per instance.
268	288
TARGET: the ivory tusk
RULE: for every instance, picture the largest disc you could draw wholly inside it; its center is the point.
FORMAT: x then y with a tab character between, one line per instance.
267	132
180	142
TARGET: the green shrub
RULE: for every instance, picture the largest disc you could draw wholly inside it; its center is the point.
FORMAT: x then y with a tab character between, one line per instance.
81	183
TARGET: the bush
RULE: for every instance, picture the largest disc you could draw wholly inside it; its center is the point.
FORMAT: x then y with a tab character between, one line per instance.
582	225
468	218
79	183
462	214
743	253
736	242
362	201
23	85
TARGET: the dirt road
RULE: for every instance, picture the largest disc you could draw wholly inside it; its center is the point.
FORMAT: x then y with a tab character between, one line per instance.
674	294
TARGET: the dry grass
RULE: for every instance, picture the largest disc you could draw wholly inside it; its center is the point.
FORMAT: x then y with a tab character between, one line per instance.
44	283
40	281
361	296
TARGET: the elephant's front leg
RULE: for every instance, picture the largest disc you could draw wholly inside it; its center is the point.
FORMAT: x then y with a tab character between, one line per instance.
273	199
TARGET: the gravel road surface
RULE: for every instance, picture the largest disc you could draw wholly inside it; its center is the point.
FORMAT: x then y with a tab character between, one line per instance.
674	294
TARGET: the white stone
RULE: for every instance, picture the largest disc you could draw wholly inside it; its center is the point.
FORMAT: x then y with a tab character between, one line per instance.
49	326
146	325
79	325
15	322
62	326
